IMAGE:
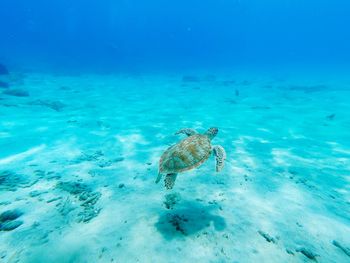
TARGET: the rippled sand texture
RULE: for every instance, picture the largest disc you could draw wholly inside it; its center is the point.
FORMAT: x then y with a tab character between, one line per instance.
79	158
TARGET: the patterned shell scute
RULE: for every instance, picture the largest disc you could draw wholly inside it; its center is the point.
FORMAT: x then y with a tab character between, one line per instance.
185	155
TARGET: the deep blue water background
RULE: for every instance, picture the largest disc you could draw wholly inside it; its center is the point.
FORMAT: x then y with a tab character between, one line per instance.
129	34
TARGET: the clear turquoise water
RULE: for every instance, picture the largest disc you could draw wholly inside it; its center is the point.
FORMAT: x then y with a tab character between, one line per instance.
95	92
80	156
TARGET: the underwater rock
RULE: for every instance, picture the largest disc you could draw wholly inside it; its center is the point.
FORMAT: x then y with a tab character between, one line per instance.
267	237
308	253
188	78
84	157
289	251
121	185
54	105
87	215
10	181
98	157
53	199
3	254
36	193
104	163
4	84
10	225
3	70
16	93
86	197
171	200
119	159
73	188
341	247
90	198
65	207
10	215
8	220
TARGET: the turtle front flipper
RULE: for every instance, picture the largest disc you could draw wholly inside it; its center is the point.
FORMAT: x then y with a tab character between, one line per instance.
187	131
170	181
220	156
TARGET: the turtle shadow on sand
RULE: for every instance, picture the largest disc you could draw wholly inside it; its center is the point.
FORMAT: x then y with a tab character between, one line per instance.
188	220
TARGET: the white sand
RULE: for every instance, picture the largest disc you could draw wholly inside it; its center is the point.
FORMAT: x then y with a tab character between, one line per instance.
287	174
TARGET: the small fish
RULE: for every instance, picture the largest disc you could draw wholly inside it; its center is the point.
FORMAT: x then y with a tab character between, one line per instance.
331	117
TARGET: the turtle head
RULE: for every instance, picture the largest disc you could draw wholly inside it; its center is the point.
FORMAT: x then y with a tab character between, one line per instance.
211	133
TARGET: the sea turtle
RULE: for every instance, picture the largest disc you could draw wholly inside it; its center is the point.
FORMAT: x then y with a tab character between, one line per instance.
189	153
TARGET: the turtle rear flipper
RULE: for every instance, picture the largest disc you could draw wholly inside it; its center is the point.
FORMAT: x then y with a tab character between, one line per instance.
220	156
170	180
158	178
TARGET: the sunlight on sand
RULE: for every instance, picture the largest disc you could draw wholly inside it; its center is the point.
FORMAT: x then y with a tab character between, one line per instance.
22	155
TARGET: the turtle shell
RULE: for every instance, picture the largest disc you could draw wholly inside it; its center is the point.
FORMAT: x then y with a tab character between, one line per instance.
185	155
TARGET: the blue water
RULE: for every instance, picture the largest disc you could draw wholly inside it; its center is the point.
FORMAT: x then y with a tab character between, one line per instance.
93	92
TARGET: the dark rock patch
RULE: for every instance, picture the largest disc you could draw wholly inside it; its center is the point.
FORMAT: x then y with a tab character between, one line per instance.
267	237
346	250
289	251
85	197
87	157
119	159
53	199
36	193
10	181
8	220
98	157
10	225
16	93
104	163
307	252
10	215
73	188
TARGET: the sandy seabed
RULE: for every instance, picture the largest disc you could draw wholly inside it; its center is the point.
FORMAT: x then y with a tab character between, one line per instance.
79	157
